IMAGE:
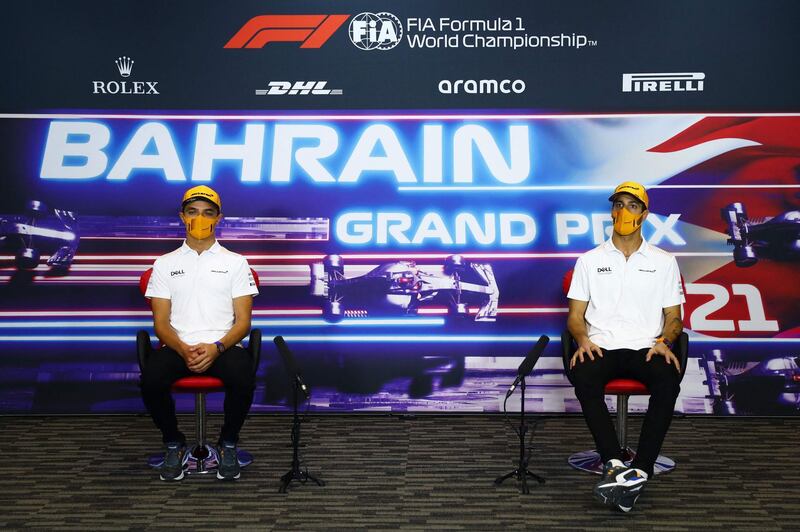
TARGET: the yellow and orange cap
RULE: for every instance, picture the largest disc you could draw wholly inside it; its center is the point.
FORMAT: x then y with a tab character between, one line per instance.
633	188
202	192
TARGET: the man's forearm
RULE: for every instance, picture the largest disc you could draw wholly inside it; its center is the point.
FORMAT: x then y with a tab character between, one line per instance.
672	329
167	335
236	334
577	328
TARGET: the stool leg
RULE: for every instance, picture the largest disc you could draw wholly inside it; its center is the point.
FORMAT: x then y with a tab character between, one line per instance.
622	428
622	421
200	451
200	418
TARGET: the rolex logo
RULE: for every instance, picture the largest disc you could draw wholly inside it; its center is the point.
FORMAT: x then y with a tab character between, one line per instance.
125	86
124	65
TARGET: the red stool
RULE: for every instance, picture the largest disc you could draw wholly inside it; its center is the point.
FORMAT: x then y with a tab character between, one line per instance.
623	388
203	457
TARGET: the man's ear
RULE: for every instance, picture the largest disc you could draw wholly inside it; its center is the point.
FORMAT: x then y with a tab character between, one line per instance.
182	217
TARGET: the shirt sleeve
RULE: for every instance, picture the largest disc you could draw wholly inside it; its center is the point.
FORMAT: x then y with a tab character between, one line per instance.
673	295
579	287
157	286
243	282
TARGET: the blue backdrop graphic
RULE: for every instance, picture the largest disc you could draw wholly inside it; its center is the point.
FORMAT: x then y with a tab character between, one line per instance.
411	230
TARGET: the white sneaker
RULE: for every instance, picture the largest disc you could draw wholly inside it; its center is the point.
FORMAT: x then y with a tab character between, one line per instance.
620	486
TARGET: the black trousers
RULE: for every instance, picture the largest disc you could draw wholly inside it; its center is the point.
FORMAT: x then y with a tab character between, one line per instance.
234	368
663	381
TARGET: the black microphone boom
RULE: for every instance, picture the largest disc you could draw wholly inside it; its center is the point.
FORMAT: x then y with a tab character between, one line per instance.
295	473
521	473
527	365
288	363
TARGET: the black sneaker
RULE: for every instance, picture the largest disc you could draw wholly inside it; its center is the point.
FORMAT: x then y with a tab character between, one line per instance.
629	497
228	468
620	486
172	468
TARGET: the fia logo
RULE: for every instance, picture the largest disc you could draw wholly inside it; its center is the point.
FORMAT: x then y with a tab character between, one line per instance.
376	31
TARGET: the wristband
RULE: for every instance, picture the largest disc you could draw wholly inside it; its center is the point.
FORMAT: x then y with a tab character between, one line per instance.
220	346
664	341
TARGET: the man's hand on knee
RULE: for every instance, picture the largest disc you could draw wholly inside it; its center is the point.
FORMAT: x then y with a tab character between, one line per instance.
587	348
660	348
187	352
206	355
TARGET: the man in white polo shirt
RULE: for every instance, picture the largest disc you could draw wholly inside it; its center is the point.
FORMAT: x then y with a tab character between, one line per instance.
625	313
202	296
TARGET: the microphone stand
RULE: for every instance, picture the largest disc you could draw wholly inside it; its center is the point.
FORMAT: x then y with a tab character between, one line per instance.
521	473
295	473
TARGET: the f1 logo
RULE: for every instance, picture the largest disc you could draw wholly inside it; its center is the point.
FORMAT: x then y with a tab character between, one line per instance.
311	30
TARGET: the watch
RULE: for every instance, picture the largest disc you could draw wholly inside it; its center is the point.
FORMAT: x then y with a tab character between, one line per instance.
220	346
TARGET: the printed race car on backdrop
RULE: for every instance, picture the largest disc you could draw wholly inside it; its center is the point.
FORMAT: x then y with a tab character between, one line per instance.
402	287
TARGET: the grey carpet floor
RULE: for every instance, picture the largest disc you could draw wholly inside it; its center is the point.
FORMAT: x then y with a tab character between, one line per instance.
423	473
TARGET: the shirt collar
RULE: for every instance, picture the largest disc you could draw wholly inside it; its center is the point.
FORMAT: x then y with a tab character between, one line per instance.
216	248
611	248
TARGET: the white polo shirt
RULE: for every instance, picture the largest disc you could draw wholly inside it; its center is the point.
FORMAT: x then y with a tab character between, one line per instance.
201	289
626	298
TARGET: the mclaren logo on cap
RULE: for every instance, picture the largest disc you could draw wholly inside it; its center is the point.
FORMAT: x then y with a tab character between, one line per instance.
634	189
202	192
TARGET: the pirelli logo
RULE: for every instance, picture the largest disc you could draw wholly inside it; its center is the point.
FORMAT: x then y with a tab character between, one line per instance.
310	30
664	82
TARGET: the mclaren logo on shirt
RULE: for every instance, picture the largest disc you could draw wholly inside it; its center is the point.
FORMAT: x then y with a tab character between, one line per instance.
219	271
647	271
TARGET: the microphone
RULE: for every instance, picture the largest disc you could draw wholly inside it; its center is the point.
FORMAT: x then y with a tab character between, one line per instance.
291	367
527	364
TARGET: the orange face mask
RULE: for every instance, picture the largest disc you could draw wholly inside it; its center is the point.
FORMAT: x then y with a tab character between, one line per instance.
200	227
625	222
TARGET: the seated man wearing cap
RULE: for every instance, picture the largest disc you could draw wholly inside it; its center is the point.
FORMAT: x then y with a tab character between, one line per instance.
202	297
624	313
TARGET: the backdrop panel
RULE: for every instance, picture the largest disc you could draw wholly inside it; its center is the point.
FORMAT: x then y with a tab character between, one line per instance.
411	188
